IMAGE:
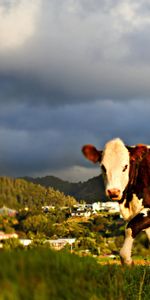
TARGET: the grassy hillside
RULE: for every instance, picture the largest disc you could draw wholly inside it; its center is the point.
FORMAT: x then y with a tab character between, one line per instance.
17	193
90	191
43	275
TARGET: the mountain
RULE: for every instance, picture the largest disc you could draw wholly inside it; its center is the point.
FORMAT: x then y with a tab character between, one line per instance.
90	191
18	193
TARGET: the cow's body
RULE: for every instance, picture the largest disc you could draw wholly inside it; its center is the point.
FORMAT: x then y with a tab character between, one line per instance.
126	173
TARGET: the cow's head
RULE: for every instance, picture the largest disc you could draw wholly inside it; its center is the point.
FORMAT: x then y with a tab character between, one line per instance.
114	161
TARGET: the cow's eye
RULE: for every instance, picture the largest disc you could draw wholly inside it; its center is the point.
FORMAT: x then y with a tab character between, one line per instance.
125	168
103	168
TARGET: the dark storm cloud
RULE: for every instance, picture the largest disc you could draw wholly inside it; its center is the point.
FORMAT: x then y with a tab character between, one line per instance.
17	87
85	85
35	141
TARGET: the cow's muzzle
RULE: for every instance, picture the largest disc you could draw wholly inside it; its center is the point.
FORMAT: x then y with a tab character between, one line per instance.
114	194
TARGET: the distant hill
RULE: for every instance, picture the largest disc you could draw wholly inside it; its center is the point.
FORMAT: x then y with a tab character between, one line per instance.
90	191
18	193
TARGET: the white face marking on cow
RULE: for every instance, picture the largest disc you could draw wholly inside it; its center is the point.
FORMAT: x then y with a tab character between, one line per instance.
135	206
145	212
115	165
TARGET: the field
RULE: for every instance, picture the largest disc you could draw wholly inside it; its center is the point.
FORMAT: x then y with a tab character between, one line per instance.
42	274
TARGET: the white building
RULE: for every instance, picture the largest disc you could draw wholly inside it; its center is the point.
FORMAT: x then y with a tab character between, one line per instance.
61	243
110	206
88	209
25	242
6	236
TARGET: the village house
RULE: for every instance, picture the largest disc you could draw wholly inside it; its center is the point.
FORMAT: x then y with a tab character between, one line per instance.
87	209
109	206
7	211
58	244
25	242
6	236
80	213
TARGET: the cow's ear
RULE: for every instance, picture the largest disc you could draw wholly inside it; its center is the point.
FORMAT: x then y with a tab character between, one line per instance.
137	152
91	153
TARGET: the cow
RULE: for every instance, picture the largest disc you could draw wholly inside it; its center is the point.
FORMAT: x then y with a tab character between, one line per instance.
126	173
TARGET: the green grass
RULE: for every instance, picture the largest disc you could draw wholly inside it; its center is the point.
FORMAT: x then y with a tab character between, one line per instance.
41	274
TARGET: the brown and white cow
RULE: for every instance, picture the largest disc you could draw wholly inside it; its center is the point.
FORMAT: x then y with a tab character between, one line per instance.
126	172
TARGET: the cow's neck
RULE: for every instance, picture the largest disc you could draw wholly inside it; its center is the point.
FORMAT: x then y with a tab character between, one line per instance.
131	187
138	183
137	193
131	203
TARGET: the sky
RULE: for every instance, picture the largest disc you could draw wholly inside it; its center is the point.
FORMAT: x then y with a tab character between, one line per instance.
72	72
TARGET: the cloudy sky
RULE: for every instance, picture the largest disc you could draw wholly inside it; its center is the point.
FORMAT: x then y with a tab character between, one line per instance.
71	72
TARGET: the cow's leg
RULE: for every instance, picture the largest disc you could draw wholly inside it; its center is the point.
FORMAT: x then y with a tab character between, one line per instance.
137	224
125	252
